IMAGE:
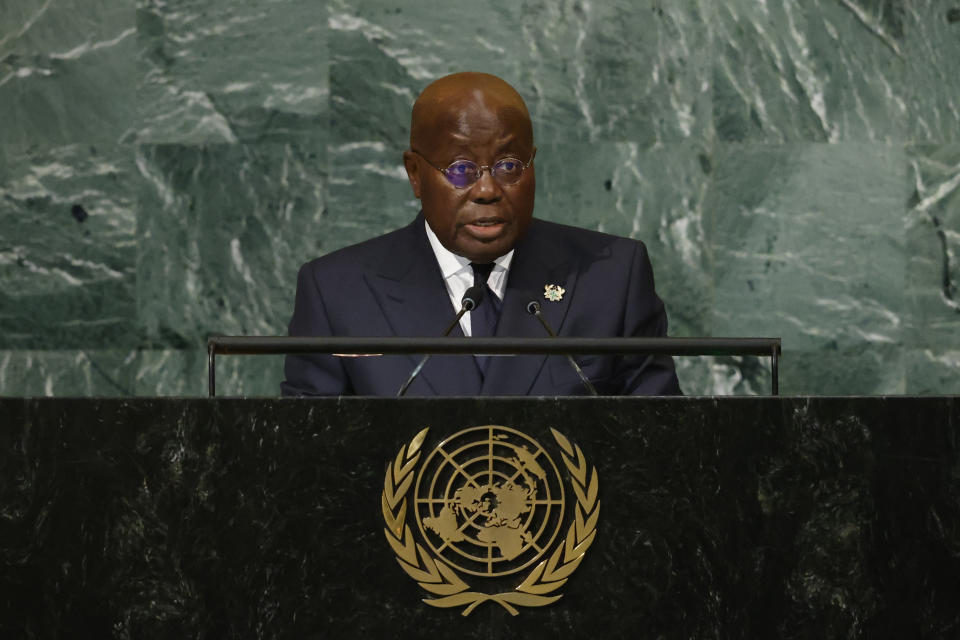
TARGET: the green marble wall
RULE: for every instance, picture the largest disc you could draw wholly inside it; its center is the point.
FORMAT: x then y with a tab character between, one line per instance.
166	165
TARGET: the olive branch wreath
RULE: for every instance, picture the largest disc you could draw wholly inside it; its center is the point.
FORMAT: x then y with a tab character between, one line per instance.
438	578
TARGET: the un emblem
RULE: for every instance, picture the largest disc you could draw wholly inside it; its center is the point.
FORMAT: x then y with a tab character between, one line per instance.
489	502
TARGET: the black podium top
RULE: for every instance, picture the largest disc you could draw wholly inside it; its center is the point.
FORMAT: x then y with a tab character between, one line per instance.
721	518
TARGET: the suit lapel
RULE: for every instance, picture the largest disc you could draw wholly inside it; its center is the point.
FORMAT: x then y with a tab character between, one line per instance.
411	293
536	263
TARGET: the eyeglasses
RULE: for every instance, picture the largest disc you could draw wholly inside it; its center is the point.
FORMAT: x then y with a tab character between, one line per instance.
464	173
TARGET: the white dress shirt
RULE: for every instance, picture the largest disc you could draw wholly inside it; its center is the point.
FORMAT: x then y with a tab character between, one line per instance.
458	275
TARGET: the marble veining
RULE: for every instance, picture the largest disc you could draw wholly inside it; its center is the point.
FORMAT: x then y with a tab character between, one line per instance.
166	166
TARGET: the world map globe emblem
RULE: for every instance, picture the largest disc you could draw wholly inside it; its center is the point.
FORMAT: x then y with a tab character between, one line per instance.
489	501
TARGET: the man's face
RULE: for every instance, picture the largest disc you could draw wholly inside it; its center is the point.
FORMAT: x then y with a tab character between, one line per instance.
484	220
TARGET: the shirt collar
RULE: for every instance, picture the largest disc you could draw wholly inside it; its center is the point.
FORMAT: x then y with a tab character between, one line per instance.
451	264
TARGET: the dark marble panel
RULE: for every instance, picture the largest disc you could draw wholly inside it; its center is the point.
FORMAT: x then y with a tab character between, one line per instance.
589	71
931	372
617	71
149	373
933	246
231	71
740	518
67	247
184	373
808	244
830	369
817	70
931	47
369	194
223	230
69	373
728	376
67	71
380	60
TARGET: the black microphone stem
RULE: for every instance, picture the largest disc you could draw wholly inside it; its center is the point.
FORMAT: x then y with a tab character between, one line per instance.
423	361
450	327
534	307
470	301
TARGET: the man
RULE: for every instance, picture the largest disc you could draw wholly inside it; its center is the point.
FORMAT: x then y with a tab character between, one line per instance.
470	164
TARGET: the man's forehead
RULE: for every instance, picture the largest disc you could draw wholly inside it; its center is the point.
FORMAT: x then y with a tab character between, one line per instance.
467	103
473	107
504	128
465	139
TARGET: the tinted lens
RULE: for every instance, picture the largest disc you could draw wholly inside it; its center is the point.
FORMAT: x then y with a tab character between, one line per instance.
508	170
461	173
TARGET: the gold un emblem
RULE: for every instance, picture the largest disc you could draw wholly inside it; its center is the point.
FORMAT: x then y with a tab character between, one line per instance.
489	503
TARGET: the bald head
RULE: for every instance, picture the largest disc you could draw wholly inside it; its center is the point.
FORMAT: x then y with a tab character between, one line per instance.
444	101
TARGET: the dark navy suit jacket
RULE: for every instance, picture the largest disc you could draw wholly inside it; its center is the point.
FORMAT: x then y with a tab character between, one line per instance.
392	286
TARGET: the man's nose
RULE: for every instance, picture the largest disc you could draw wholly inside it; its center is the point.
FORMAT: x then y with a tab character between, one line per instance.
486	190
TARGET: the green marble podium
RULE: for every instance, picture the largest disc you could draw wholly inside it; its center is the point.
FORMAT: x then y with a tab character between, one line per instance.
720	518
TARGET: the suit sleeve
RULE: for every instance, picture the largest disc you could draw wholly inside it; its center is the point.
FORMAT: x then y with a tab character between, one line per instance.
645	316
312	374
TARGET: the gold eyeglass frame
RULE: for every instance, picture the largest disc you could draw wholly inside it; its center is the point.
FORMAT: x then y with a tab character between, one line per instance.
480	169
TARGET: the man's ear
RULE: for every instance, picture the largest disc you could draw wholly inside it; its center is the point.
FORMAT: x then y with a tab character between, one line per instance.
413	171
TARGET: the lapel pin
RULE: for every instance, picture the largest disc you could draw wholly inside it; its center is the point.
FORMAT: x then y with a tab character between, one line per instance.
553	293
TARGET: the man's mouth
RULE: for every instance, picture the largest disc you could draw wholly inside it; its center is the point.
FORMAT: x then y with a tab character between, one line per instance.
485	228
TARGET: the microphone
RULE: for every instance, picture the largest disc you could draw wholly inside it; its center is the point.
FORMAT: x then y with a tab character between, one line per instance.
533	308
472	298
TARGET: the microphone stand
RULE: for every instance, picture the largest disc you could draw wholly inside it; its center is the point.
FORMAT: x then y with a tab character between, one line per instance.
470	301
533	308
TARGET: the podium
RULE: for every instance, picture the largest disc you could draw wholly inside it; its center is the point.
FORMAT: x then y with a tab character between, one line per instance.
240	518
